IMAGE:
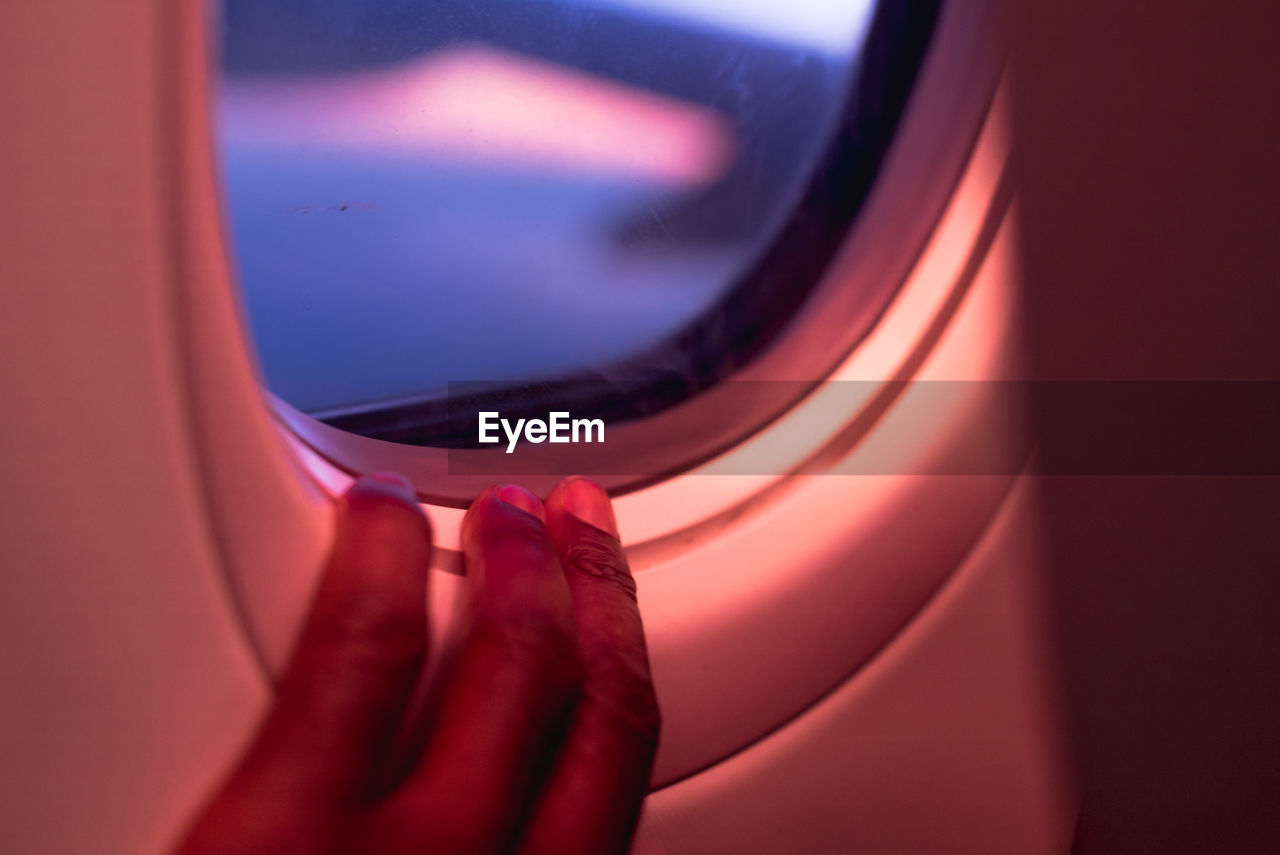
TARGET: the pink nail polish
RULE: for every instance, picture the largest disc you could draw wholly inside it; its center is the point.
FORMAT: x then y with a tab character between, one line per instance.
521	498
393	482
392	478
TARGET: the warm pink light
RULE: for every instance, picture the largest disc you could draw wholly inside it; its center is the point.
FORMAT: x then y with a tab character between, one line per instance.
479	104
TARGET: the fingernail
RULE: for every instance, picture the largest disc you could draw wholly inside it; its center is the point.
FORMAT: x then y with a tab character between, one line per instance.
399	484
520	498
587	501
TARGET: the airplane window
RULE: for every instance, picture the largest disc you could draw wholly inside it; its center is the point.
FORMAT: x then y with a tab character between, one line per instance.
515	190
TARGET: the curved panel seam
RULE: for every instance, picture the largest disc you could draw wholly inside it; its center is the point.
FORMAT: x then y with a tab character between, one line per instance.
925	606
173	140
996	217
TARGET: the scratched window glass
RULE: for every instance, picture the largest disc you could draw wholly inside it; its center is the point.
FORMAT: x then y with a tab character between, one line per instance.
424	192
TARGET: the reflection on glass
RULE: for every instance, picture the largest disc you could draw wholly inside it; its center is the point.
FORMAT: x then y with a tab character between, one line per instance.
482	190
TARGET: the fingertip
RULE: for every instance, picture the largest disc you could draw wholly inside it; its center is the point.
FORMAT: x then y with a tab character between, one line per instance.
585	500
521	498
498	498
380	517
505	539
381	487
394	479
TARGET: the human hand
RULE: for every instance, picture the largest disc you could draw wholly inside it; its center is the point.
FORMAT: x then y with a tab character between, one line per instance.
539	735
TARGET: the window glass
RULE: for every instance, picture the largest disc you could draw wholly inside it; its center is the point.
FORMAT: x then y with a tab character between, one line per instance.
426	192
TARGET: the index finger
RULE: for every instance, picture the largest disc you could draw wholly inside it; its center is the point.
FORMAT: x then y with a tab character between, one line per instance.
509	690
